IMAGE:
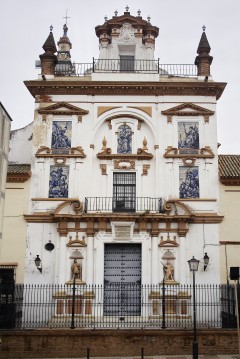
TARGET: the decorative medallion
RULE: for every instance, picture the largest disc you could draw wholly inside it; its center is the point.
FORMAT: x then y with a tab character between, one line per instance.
126	33
124	164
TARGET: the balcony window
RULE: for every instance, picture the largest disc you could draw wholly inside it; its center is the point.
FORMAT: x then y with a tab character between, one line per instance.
126	63
124	192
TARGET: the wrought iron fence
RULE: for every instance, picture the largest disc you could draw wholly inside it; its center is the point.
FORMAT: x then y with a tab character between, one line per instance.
123	204
126	66
116	305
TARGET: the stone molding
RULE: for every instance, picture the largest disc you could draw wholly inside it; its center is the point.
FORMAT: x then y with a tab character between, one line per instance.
181	110
62	109
163	88
107	154
74	152
173	152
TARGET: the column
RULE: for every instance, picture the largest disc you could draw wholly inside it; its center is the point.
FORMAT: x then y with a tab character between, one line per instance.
89	269
182	278
155	264
62	260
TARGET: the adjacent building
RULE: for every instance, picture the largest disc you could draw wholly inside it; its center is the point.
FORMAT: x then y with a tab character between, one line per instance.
229	176
5	125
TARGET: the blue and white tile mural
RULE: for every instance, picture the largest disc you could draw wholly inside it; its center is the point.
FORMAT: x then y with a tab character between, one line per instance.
188	182
61	134
58	182
124	139
188	135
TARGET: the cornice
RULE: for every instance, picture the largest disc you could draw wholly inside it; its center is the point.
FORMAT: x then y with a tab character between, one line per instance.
230	181
50	217
140	155
18	177
73	87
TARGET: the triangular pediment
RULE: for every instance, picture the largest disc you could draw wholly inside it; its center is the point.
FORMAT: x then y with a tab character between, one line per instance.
188	109
133	20
62	108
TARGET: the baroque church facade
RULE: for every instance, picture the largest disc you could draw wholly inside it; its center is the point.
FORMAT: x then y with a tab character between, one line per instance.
124	185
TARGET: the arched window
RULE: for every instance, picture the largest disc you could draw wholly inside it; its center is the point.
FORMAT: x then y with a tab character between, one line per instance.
124	140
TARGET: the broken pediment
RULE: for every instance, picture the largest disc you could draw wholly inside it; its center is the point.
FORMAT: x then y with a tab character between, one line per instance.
187	109
62	109
177	208
71	207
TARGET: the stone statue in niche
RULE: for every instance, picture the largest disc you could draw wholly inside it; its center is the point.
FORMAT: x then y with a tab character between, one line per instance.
76	269
168	271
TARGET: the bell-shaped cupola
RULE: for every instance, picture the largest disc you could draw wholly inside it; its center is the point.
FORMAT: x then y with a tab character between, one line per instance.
127	38
64	57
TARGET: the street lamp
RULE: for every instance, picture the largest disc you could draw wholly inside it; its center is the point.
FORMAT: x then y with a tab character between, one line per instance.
38	263
205	261
193	266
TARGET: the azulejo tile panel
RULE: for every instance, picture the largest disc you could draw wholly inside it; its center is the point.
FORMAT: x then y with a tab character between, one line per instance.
61	135
188	135
188	182
124	139
58	182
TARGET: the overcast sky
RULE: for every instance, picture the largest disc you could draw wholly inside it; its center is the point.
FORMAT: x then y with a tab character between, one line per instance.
24	27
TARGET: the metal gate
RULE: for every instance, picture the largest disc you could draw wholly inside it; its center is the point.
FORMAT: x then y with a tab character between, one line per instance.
122	279
7	302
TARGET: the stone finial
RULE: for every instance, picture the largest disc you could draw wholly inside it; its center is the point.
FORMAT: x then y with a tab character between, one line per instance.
139	12
127	8
116	13
104	143
48	58
148	19
203	60
145	144
105	18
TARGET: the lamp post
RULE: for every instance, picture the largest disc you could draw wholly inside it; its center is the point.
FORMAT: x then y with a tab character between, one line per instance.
193	266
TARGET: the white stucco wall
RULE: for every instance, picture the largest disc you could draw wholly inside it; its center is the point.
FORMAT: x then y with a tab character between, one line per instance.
21	145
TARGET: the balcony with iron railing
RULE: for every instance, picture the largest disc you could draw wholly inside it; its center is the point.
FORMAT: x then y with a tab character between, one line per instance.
123	204
126	66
